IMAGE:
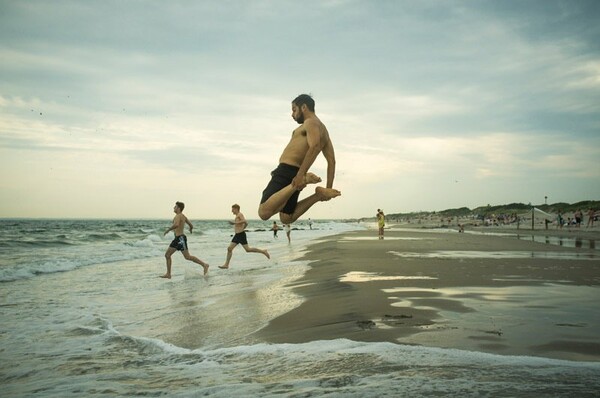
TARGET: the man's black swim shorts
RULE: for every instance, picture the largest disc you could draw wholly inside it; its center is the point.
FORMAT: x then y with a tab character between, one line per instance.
281	177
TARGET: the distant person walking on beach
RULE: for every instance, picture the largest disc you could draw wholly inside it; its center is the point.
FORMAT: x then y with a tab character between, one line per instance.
288	232
380	222
180	241
292	176
275	228
578	218
239	224
310	223
591	216
559	220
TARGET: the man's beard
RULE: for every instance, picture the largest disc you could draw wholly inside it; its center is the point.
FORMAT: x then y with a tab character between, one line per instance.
300	118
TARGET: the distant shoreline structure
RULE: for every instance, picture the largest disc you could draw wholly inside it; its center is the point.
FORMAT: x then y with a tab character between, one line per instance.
512	208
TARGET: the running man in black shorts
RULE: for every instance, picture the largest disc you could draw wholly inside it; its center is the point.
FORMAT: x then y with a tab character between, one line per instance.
180	241
291	176
239	224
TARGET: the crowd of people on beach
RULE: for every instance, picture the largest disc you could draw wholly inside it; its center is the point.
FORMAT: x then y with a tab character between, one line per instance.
501	219
578	219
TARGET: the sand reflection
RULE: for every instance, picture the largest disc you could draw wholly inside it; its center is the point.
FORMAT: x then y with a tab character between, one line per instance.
456	254
358	276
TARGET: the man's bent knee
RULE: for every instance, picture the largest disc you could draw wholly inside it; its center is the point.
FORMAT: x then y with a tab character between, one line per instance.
264	214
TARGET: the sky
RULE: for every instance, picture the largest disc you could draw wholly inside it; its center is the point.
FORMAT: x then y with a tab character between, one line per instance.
117	109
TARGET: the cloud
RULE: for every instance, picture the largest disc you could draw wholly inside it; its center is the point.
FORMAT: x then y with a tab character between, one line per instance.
415	95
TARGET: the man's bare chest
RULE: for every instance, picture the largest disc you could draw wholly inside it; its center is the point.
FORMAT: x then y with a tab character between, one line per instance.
299	133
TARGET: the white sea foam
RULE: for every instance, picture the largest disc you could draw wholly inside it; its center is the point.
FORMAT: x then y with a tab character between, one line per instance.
346	367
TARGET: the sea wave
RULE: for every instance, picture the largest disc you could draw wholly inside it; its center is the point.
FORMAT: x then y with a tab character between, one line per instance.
102	237
351	368
67	245
80	256
41	243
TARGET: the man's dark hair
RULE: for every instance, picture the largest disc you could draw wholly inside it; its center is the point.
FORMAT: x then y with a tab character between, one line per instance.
180	205
305	99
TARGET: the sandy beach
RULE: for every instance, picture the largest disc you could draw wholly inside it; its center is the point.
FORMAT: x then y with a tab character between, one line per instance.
501	291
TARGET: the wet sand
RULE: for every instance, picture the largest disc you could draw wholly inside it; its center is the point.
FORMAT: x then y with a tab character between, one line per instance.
484	290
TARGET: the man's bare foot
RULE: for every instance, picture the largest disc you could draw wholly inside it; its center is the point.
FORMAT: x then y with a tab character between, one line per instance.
311	178
266	253
205	266
224	266
326	194
166	276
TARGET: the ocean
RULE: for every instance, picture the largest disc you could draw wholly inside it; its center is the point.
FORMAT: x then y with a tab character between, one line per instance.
84	313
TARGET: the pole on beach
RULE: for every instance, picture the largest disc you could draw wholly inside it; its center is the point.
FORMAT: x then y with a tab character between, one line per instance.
532	218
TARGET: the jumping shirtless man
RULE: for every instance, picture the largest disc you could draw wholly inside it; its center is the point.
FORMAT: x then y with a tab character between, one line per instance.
180	241
291	176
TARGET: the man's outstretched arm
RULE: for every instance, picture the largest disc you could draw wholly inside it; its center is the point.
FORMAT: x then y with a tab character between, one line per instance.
329	154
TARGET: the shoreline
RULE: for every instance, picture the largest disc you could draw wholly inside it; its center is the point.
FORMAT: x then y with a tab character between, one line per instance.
476	291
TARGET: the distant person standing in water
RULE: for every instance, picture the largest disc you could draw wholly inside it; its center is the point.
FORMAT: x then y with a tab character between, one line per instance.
591	216
292	176
288	232
275	228
239	224
180	241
